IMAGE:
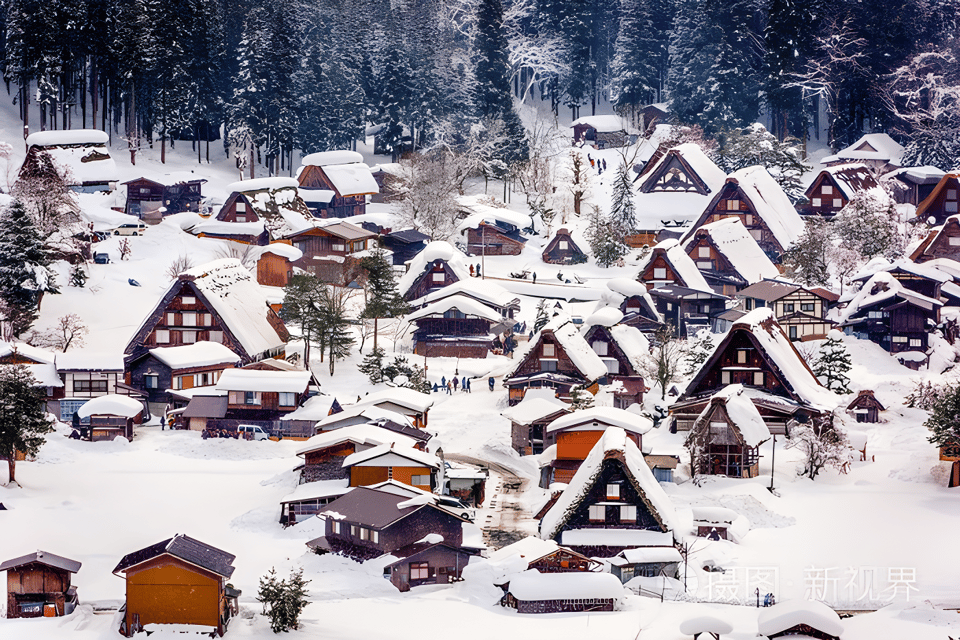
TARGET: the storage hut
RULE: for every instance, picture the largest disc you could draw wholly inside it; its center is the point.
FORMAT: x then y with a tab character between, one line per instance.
563	250
178	581
942	201
111	416
535	592
38	585
343	173
865	407
726	436
807	618
81	156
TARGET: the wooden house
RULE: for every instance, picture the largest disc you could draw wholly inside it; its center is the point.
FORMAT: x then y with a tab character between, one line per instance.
622	349
38	585
612	503
835	186
878	151
330	250
646	562
576	434
865	407
529	419
688	310
912	185
654	114
343	173
941	203
407	402
456	326
941	242
800	311
178	368
556	357
757	354
216	302
110	416
246	396
389	177
492	231
485	292
638	308
367	523
681	169
257	212
603	132
275	264
404	245
178	581
886	311
728	256
86	375
426	563
535	592
725	438
803	618
438	265
173	193
752	196
536	554
41	364
392	462
563	250
669	264
306	500
301	423
714	523
80	156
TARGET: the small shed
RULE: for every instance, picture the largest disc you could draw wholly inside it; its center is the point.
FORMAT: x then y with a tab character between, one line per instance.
800	618
38	585
535	592
603	132
866	407
426	562
275	264
726	437
563	250
111	416
646	562
714	523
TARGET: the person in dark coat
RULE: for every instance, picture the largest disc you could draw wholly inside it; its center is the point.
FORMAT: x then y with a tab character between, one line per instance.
478	269
456	383
534	277
443	381
466	382
449	388
463	384
491	382
435	387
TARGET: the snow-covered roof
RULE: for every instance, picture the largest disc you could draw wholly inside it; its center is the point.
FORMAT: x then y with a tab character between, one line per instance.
887	287
480	212
736	244
436	250
80	360
239	301
325	158
599	419
705	624
45	374
199	354
785	615
352	179
401	396
871	146
712	175
67	136
633	344
86	161
605	123
614	442
531	585
212	226
323	196
315	408
364	434
604	316
771	204
486	291
111	404
567	335
743	414
537	403
364	413
646	555
27	351
530	549
259	184
366	457
602	536
283	250
851	178
263	380
467	306
627	287
682	264
318	489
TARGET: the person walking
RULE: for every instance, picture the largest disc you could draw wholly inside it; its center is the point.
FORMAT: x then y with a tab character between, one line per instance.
466	381
490	383
478	269
449	388
163	422
443	381
463	384
534	277
456	383
471	271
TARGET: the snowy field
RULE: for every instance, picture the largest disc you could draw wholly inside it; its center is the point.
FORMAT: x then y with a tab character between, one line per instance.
881	535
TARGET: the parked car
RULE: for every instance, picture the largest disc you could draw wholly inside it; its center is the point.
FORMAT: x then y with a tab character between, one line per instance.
252	432
130	229
101	258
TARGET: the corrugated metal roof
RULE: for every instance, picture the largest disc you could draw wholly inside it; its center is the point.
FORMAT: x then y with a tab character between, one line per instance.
42	557
185	548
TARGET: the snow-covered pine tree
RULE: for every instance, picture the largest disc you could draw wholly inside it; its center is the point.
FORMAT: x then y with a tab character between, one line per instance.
944	420
833	363
641	56
580	398
543	315
372	365
24	272
868	226
808	261
623	212
383	299
698	350
606	239
395	81
754	145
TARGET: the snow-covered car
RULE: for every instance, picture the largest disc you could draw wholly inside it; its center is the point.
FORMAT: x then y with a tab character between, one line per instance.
130	229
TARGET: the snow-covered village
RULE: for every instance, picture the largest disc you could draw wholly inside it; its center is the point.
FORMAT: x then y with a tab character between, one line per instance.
541	319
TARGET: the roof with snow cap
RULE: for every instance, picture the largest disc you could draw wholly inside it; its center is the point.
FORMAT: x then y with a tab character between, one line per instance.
467	306
83	152
486	291
567	334
199	354
735	243
681	264
745	420
401	396
537	404
883	286
268	381
870	146
531	585
601	418
850	178
784	615
436	250
111	404
385	455
364	434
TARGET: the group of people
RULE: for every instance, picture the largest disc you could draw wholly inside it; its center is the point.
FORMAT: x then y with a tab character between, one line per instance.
599	164
475	271
452	385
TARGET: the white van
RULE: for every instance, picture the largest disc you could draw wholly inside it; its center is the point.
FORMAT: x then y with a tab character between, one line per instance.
252	432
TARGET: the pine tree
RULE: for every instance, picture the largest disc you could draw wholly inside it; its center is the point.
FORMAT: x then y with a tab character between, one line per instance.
833	363
372	365
623	213
698	350
944	420
301	303
606	239
580	398
383	299
78	277
808	261
335	324
543	315
24	274
641	59
754	145
283	600
23	421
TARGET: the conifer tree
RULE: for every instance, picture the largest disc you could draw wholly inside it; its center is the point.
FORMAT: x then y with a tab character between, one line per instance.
580	398
623	213
833	364
24	272
641	57
606	239
23	421
372	365
944	420
543	315
383	299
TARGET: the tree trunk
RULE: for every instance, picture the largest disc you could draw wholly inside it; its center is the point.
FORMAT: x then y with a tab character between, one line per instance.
12	469
331	358
375	333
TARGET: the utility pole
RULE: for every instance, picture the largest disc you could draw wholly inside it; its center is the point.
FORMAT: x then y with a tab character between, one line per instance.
773	460
483	250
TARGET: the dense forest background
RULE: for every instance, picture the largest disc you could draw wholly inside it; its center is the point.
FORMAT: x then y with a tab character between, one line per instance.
312	76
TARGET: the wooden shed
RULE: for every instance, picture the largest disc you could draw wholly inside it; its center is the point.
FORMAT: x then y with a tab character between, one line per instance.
563	250
178	581
866	407
535	592
111	416
38	585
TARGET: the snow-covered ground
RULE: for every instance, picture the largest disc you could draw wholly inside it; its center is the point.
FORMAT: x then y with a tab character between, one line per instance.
883	534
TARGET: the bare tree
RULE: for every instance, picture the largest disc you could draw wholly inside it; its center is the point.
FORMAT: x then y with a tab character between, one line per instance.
538	176
126	249
245	253
823	445
428	198
69	331
581	178
180	264
533	58
664	364
44	189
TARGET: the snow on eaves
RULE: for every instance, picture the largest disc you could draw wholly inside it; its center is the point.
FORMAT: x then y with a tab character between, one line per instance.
111	405
263	380
712	175
485	291
436	250
326	158
771	204
366	434
737	245
199	354
261	184
81	360
417	457
682	264
467	306
743	414
531	585
567	335
784	615
881	147
67	136
478	212
613	442
537	403
604	316
883	286
600	419
633	344
352	179
605	123
400	396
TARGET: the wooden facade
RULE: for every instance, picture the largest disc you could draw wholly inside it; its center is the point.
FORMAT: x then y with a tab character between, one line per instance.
733	202
942	201
313	177
563	250
436	275
619	366
498	239
274	270
688	310
547	365
673	174
719	272
404	245
721	449
424	564
898	323
832	189
452	335
942	242
38	585
153	377
327	251
174	198
800	311
866	407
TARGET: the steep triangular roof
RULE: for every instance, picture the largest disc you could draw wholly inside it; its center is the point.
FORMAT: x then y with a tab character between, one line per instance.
745	420
562	234
850	179
937	243
949	180
423	261
614	444
684	168
568	338
185	548
732	240
679	262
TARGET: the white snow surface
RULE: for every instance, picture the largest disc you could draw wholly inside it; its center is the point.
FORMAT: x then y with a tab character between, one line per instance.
885	148
601	418
645	555
283	250
263	380
401	396
532	585
199	354
605	123
784	615
315	408
364	434
111	404
67	136
705	624
616	537
537	403
465	305
325	158
771	204
259	184
605	317
633	344
414	455
486	291
352	179
84	360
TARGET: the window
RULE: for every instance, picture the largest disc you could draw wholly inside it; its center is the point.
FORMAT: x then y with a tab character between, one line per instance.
703	252
628	513
548	365
189	319
955	241
659	273
420	481
439	277
564	245
826	190
899	338
875	315
163	336
669	306
756	234
613	491
613	366
598	513
241	218
335	526
389	473
951	194
178	382
338	247
748	219
758	378
151	381
704	265
189	337
741	356
89	386
188	300
419	570
838	203
144	191
793	331
815	202
251	397
215	336
288	399
915	342
549	350
241	207
354	530
206	319
724	377
950	207
733	205
374	536
807	306
599	347
171	319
